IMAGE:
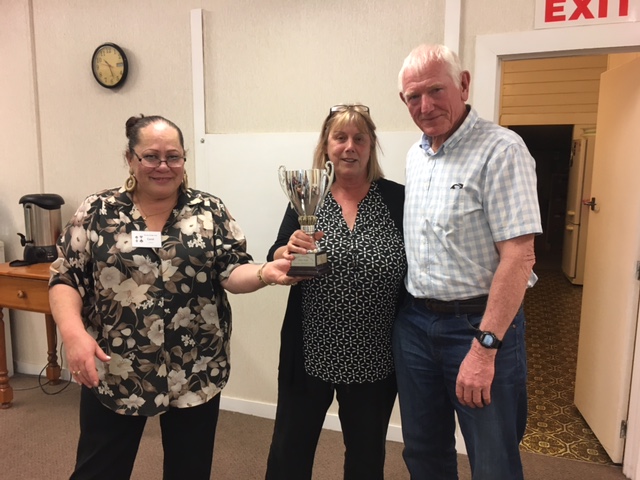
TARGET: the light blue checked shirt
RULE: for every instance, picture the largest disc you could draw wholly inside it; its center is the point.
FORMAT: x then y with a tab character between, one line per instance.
477	189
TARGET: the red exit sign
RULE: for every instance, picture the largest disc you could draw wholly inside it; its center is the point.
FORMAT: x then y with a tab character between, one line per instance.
566	13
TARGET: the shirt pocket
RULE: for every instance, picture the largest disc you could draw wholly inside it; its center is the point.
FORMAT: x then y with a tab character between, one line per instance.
450	209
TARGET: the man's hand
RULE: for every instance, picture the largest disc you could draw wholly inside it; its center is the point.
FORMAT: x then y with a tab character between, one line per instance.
473	385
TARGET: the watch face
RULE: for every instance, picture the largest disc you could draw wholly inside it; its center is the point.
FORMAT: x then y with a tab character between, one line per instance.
109	65
487	340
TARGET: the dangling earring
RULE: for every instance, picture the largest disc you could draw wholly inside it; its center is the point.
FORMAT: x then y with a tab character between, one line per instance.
131	182
185	182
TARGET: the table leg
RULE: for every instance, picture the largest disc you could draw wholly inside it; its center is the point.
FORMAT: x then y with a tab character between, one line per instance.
53	369
6	392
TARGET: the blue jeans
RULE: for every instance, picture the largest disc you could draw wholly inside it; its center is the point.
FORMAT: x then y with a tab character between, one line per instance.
428	349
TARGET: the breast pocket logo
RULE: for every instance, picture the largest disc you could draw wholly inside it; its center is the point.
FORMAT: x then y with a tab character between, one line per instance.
456	186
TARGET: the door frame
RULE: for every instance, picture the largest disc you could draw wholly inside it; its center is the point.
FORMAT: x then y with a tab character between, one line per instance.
491	50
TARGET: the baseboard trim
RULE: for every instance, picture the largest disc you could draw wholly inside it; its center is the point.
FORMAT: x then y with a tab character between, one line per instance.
331	421
268	410
32	369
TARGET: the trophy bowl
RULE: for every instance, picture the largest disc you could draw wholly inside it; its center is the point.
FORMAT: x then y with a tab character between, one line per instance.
306	191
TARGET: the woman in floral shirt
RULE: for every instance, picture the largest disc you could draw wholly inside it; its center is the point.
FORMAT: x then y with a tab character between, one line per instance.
138	293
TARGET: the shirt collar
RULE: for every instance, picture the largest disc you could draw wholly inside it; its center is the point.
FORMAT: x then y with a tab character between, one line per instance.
461	132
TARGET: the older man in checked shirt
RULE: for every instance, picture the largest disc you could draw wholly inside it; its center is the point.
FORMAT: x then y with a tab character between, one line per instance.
471	213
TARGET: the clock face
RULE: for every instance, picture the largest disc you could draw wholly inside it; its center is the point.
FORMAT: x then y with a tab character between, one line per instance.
109	65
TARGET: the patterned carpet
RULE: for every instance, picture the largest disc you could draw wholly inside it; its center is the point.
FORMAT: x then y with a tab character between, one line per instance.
555	426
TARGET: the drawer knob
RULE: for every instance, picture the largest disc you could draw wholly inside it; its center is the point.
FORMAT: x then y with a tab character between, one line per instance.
22	294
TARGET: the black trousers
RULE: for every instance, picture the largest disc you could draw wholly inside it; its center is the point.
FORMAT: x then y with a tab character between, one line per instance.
364	411
109	441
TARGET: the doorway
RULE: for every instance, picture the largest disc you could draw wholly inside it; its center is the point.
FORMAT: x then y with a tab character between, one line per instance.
552	308
550	146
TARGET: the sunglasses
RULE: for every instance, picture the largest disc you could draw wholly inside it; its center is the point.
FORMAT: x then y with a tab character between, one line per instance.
344	107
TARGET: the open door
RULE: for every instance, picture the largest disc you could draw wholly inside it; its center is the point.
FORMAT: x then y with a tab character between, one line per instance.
611	288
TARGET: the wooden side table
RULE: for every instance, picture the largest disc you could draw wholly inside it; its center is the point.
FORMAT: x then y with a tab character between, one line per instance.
26	288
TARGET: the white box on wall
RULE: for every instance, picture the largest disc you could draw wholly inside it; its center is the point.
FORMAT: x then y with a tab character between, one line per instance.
7	326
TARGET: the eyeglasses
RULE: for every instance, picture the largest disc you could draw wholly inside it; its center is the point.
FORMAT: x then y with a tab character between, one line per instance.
344	107
154	161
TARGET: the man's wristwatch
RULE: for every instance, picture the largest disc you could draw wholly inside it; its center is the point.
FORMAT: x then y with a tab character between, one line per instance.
488	339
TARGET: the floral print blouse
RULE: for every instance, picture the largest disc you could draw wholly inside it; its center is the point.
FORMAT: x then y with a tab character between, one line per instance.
160	313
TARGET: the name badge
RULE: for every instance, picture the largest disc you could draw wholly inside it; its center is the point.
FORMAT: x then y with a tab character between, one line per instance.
146	239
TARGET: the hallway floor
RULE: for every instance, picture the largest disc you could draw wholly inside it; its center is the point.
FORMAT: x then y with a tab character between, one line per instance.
555	426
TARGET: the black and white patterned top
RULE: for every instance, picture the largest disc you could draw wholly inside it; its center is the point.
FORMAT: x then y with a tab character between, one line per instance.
348	313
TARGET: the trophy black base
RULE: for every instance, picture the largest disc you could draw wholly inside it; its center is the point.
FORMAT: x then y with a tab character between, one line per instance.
309	265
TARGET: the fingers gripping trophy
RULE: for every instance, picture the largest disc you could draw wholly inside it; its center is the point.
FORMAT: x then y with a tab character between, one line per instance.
306	191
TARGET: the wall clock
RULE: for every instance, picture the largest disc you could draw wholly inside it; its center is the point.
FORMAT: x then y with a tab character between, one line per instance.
109	65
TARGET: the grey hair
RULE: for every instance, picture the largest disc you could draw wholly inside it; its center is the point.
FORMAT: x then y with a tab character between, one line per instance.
422	55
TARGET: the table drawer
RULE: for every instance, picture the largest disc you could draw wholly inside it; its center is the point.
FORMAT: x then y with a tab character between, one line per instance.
24	294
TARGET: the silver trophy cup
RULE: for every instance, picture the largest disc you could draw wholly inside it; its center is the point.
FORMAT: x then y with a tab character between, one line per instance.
306	191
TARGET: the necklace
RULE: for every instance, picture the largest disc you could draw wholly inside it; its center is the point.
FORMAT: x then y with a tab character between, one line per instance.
145	216
138	204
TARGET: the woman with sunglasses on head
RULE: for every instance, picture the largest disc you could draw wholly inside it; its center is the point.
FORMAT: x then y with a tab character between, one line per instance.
138	293
336	334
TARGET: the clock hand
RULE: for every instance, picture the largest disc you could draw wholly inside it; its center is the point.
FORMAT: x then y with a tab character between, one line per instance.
110	67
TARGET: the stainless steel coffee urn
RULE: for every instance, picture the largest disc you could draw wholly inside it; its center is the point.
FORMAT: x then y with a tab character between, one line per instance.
43	224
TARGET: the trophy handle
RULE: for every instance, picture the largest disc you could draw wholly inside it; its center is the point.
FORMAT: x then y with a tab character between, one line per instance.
329	168
282	176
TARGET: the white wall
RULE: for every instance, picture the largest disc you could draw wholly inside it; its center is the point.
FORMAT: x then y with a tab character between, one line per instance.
279	65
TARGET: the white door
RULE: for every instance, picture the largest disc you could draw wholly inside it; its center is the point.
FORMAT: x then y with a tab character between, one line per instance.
570	249
576	177
611	288
574	205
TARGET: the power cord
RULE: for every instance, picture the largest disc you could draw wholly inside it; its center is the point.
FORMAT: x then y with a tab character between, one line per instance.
49	382
44	385
61	385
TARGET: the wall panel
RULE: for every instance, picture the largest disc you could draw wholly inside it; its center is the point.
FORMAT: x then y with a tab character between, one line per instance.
551	90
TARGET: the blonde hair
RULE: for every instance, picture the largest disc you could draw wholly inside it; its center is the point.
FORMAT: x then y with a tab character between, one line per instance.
357	115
